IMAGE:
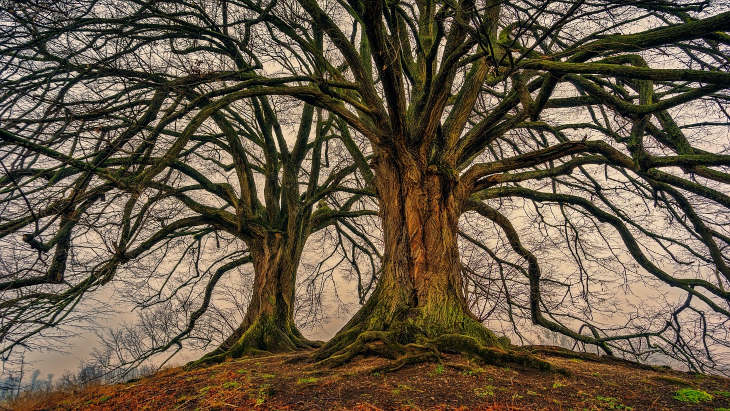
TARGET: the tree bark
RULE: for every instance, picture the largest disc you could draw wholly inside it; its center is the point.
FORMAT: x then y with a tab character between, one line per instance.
269	322
419	298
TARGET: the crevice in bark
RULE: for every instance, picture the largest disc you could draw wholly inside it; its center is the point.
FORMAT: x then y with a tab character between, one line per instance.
415	335
264	336
418	310
268	326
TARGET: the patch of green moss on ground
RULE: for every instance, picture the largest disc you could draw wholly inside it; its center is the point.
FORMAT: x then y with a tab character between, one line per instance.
692	396
438	370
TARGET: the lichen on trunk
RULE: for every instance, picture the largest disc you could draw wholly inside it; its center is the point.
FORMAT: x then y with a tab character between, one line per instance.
269	322
418	309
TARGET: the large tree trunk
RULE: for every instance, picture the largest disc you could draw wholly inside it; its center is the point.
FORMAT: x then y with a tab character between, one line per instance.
269	322
419	298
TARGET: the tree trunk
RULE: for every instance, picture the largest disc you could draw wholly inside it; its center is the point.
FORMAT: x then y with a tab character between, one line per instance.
419	298
269	322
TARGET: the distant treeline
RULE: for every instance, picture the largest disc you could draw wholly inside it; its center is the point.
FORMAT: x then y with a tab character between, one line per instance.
12	383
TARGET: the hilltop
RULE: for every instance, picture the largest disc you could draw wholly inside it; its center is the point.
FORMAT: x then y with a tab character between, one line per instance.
279	382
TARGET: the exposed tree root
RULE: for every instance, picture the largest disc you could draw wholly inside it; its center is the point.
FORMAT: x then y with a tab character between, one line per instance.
382	343
562	352
264	336
408	335
391	344
585	356
301	357
409	359
495	355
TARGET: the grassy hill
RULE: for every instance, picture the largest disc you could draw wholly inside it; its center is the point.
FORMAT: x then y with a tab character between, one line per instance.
275	382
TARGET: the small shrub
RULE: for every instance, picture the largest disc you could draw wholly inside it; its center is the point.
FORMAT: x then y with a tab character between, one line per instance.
307	380
692	396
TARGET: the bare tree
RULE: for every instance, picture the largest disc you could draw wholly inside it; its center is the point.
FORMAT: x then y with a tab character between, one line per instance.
584	109
137	150
588	140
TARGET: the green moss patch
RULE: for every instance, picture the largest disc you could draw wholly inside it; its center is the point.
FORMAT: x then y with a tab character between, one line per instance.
692	396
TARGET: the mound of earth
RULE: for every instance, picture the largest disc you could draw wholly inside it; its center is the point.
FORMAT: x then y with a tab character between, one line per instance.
277	382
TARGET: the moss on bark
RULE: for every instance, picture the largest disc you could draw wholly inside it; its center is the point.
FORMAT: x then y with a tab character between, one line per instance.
409	335
265	335
268	326
418	310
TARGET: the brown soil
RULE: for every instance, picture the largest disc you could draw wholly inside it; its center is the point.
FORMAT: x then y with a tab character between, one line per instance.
275	383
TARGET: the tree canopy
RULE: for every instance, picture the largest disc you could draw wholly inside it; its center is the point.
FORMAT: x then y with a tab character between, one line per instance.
576	152
142	170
